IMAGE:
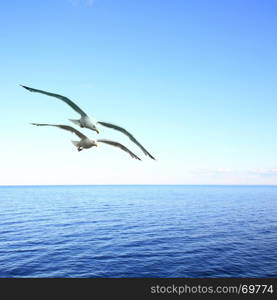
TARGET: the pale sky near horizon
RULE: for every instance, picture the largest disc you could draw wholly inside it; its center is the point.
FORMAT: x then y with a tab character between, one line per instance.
194	81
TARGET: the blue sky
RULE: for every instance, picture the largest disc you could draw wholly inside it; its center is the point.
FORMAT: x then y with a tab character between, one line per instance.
194	81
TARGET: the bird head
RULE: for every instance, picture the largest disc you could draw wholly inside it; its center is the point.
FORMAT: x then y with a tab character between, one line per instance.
90	123
94	144
92	127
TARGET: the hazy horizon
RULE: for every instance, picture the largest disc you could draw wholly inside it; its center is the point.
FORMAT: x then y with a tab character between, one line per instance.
135	184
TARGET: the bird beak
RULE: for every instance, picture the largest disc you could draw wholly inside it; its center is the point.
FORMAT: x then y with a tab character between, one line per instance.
97	131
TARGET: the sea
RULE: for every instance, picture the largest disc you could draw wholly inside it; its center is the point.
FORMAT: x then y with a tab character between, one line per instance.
120	231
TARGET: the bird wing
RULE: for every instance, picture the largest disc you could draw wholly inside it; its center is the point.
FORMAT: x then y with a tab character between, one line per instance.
64	99
124	131
115	144
65	127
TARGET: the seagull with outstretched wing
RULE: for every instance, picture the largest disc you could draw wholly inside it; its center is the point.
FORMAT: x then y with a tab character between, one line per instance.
86	122
85	142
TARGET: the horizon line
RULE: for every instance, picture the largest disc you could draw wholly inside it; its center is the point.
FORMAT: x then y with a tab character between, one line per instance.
131	184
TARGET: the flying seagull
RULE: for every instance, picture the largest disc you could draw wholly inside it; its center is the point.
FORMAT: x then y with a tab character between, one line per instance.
85	142
86	122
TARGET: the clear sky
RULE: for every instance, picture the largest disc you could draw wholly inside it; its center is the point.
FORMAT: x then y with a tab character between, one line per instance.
195	82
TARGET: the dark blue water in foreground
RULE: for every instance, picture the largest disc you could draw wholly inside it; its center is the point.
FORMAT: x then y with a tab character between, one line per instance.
138	231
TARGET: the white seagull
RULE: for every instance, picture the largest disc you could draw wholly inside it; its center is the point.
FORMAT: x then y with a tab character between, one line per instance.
86	122
85	142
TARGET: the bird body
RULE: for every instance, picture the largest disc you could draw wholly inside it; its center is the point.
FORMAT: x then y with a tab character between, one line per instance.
85	122
84	144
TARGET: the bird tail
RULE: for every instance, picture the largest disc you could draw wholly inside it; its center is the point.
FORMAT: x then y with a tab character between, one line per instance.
75	143
77	122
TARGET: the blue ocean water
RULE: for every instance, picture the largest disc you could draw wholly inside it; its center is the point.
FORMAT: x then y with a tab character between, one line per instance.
138	231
